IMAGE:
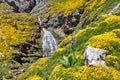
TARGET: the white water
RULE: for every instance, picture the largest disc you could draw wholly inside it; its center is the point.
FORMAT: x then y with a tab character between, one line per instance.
49	44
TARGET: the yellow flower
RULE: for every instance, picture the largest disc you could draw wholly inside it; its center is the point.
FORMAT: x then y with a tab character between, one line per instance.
35	77
66	7
103	40
59	49
39	63
77	74
90	4
65	41
112	18
84	73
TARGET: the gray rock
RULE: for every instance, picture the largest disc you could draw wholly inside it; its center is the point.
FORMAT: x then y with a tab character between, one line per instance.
58	20
1	1
40	7
94	56
22	5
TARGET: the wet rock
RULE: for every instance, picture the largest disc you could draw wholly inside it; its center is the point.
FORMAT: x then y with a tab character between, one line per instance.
94	56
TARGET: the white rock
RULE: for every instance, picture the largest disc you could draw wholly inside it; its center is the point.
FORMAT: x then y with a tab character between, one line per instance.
94	56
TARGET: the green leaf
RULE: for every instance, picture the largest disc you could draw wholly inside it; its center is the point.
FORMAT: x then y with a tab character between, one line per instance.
71	60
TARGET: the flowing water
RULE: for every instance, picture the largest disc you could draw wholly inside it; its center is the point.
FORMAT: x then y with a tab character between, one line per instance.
49	44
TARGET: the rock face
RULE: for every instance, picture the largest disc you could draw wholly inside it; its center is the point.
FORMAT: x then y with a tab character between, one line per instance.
67	22
22	5
94	56
57	20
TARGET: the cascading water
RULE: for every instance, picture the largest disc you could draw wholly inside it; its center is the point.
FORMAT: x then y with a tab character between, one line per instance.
49	44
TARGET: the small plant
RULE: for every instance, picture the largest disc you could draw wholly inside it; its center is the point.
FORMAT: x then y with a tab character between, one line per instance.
68	61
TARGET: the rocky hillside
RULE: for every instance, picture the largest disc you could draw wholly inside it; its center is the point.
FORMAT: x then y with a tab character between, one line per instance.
82	23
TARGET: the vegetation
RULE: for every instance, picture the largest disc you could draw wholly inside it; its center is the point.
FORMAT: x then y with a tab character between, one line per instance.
102	33
15	28
66	63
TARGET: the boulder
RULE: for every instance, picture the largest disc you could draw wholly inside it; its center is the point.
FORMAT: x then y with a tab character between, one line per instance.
94	56
22	5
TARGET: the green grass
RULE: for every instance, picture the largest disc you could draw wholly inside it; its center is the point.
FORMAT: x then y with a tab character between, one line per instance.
94	28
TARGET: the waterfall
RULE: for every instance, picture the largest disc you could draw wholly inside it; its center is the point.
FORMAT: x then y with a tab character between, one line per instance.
49	44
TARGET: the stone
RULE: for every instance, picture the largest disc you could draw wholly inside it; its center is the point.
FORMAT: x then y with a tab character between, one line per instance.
21	5
94	56
66	21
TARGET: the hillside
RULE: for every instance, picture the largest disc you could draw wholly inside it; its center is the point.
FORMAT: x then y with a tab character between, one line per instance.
94	22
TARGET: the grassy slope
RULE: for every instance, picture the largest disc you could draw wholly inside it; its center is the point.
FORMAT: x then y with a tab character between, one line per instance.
15	28
99	29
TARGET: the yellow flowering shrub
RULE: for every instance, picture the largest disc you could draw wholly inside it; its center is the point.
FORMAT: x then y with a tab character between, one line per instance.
65	6
112	18
1	57
39	63
4	7
4	48
103	40
12	35
35	77
84	30
84	73
65	41
111	60
101	2
90	4
59	49
78	33
94	3
15	28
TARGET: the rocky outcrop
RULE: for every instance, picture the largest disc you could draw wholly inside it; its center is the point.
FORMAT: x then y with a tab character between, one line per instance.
57	20
66	21
94	56
22	5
